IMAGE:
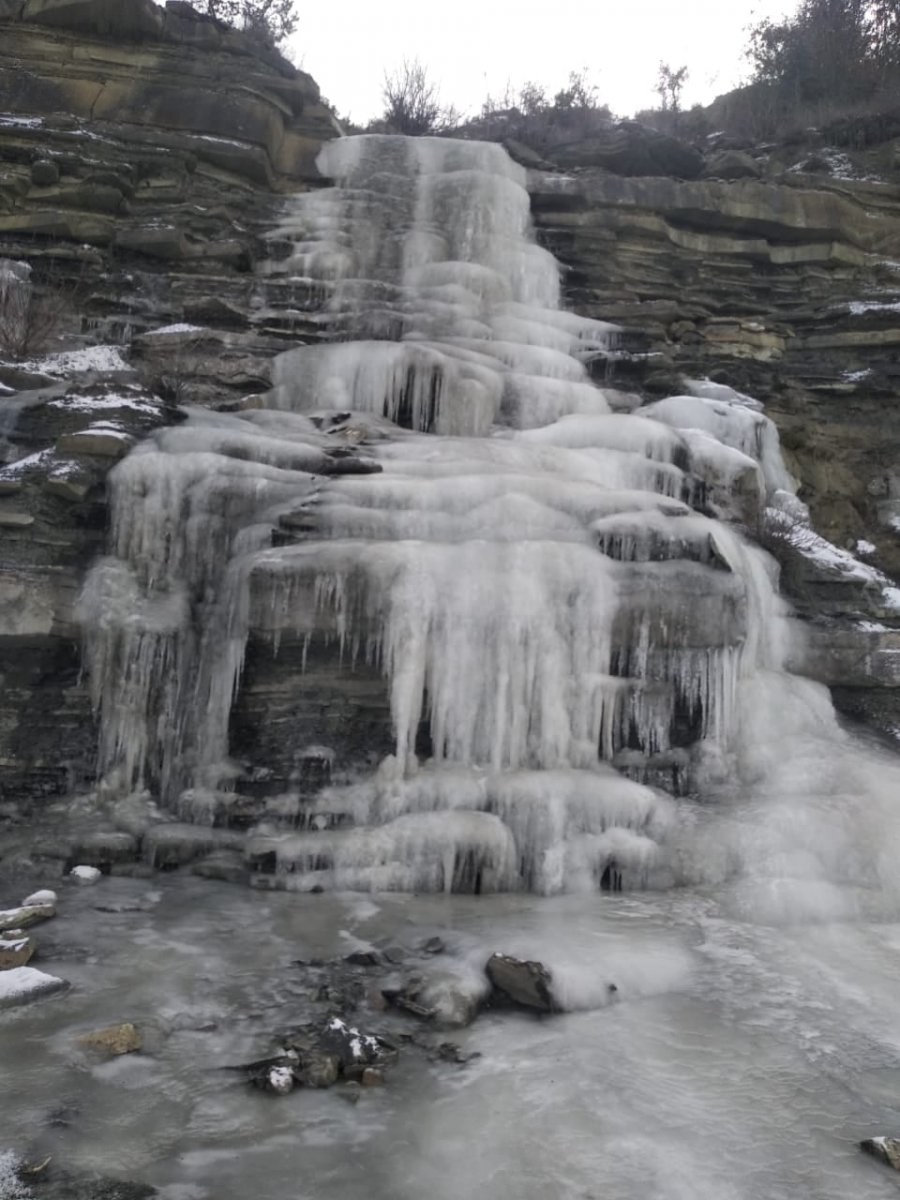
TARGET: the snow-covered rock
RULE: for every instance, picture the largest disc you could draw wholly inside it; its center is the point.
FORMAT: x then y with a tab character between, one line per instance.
21	985
84	875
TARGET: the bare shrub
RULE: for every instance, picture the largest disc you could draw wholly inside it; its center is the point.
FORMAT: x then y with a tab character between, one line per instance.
31	317
412	104
540	120
270	21
171	371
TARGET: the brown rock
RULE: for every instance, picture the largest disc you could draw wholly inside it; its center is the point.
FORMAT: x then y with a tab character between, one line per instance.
372	1077
115	1040
15	951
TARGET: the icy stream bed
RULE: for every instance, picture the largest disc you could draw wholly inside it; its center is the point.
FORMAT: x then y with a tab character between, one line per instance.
735	1061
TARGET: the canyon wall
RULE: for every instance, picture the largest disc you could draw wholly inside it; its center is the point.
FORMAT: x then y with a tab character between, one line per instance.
144	155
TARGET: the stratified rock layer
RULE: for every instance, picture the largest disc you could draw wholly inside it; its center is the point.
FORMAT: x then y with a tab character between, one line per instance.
143	154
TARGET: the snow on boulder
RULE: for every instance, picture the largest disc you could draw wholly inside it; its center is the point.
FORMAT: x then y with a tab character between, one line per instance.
351	1047
84	875
21	985
44	896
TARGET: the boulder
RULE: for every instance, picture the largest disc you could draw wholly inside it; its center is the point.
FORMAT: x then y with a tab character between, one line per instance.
21	985
352	1048
527	984
84	875
278	1080
133	21
318	1069
885	1149
732	164
44	172
630	148
25	916
225	865
445	997
114	1040
15	952
103	847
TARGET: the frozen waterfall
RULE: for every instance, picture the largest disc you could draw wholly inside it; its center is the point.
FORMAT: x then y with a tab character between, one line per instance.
578	640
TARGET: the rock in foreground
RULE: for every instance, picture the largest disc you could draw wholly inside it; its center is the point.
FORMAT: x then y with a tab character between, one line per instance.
524	983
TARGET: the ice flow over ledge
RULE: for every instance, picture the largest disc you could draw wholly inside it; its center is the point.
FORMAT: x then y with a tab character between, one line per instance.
553	580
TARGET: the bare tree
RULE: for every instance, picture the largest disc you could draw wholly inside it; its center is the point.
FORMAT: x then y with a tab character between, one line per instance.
670	82
269	20
412	104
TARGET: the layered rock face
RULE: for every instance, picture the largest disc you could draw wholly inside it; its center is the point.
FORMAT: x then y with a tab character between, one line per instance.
784	284
143	154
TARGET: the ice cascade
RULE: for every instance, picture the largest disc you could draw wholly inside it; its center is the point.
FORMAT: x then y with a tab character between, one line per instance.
554	585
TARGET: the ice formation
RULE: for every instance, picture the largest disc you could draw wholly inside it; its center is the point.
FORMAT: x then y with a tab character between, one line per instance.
557	590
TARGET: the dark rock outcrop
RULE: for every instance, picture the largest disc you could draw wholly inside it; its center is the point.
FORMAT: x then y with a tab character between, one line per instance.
630	148
525	984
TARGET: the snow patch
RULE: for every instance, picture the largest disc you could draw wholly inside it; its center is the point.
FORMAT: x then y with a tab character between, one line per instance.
830	557
32	462
11	1186
107	401
857	308
181	327
11	120
75	362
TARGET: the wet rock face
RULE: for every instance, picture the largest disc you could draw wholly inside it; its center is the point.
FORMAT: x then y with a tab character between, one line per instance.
193	133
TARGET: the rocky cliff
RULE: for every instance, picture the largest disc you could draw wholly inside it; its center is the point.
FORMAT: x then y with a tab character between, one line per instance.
778	272
144	152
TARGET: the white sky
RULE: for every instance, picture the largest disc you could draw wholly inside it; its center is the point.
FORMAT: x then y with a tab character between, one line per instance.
474	47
